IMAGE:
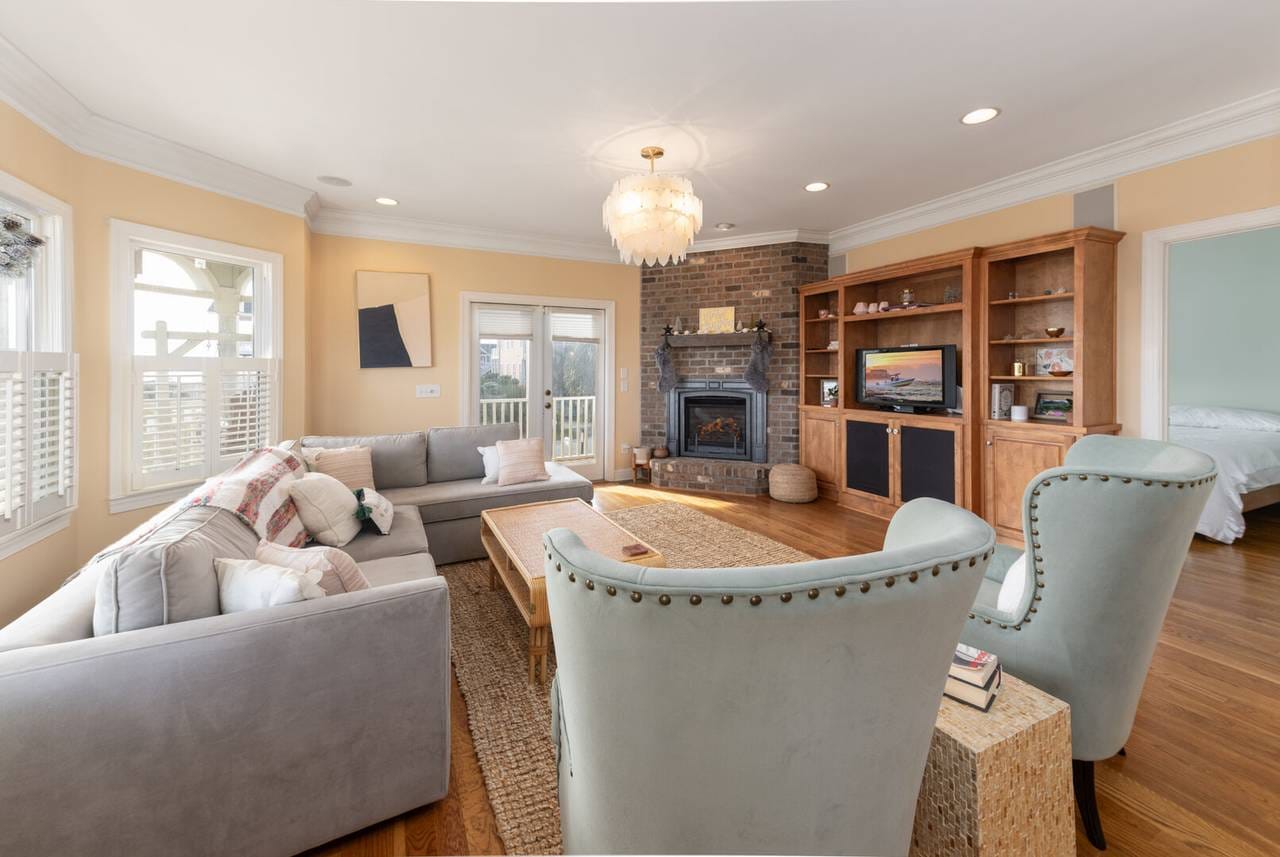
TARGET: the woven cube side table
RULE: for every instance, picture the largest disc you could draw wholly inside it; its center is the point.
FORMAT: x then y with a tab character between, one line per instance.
999	782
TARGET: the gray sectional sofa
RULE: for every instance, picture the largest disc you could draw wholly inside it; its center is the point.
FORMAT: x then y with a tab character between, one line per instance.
439	472
261	732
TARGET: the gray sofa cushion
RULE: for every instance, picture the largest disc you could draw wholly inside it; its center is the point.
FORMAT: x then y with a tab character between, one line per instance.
399	460
398	569
451	451
406	537
65	615
467	498
170	577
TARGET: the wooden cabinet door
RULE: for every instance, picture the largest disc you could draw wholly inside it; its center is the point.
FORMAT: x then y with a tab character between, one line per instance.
820	446
1012	461
930	463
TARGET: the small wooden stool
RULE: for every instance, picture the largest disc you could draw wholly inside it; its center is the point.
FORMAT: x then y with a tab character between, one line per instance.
792	483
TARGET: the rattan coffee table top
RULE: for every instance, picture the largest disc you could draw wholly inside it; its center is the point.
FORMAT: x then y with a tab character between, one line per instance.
520	529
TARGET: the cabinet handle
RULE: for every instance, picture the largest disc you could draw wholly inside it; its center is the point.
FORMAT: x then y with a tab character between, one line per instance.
988	443
888	430
897	431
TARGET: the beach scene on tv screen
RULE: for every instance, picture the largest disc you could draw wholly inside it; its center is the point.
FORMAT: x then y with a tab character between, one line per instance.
906	377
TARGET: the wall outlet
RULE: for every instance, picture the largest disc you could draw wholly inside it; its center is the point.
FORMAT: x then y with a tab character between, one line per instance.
427	391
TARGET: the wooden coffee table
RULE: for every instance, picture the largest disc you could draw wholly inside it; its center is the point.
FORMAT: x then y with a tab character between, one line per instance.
512	537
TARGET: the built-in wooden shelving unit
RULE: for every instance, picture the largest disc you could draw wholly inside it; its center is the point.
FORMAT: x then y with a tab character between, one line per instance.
874	460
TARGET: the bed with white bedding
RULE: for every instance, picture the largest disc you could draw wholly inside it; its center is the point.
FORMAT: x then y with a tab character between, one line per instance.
1245	444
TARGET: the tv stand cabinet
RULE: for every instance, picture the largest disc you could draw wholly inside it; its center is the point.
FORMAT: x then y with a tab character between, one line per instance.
991	303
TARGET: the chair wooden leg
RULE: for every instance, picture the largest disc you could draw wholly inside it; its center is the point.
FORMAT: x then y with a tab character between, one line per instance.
1087	801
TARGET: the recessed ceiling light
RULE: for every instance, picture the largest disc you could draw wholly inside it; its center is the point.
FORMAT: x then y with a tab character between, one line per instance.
725	227
386	200
335	181
982	114
815	187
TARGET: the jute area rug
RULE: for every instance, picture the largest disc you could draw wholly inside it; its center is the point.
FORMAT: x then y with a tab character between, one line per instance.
510	719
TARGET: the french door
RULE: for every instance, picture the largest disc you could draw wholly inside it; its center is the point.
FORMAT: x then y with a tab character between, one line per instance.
544	368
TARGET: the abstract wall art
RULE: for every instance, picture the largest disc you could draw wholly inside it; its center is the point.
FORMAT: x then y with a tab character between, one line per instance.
394	318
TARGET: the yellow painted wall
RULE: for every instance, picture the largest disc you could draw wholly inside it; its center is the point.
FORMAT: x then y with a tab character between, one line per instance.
1229	181
346	399
98	191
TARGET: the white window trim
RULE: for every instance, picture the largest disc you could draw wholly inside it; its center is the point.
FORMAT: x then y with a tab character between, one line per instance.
124	235
465	302
62	266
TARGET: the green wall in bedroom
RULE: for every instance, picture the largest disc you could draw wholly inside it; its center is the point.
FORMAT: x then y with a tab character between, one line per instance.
1224	321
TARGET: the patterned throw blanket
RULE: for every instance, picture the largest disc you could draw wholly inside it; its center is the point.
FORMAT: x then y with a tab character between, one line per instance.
256	490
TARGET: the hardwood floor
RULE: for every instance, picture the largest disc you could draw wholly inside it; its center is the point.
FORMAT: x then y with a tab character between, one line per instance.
1202	771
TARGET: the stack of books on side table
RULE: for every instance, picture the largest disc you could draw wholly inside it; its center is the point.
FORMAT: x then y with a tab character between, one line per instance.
974	678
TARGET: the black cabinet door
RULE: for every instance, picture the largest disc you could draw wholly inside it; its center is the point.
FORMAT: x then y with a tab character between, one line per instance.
927	463
866	457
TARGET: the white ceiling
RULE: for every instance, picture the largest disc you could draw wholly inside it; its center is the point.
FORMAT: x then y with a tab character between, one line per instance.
516	118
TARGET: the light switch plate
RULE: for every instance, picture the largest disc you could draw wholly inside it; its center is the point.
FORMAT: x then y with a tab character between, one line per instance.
427	391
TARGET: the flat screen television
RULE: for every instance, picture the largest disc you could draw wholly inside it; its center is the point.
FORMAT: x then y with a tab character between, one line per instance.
910	377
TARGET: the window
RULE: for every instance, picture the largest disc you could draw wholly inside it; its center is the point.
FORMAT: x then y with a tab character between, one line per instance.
37	376
196	339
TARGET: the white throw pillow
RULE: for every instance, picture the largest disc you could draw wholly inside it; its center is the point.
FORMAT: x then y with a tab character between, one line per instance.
1015	584
327	508
520	461
380	510
246	584
490	455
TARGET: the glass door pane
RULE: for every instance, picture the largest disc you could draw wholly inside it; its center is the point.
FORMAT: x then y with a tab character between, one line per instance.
575	363
504	363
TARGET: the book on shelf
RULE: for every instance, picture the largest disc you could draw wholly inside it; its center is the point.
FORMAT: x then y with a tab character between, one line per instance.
974	677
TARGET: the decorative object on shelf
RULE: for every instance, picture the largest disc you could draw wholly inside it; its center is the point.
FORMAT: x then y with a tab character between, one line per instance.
833	345
717	319
652	219
660	452
908	297
830	392
860	308
873	307
1013	296
824	313
757	371
884	305
1054	332
17	248
1054	360
1001	401
760	326
1056	405
1061	290
1019	368
668	330
394	319
1018	413
951	294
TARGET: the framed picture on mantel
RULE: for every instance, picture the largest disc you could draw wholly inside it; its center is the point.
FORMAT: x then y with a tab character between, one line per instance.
716	319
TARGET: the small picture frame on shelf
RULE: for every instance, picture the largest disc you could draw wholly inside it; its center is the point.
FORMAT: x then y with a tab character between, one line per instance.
1054	405
829	393
717	319
1055	360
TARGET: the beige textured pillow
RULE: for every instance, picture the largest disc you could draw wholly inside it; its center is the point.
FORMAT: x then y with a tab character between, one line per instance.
338	571
521	461
327	508
350	465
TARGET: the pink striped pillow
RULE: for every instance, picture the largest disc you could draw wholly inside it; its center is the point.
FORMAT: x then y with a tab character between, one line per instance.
521	461
339	572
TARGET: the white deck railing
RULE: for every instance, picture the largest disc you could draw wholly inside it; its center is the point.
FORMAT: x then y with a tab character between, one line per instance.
573	422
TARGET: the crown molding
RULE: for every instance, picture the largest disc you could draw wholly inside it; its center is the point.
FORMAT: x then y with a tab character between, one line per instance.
381	227
34	93
1230	125
760	239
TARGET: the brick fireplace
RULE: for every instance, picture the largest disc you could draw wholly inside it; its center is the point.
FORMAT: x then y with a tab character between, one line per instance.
760	283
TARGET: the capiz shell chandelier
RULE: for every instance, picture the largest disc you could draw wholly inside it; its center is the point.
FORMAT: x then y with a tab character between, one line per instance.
652	218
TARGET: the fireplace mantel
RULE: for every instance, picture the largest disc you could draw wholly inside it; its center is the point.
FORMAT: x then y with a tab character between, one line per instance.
714	340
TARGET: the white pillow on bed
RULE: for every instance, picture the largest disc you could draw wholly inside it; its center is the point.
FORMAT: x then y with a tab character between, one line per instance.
1236	419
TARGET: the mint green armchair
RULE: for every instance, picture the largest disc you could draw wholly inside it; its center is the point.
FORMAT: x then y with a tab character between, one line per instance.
1106	537
779	710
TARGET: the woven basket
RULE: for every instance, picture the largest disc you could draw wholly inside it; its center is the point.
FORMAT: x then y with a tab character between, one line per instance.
792	483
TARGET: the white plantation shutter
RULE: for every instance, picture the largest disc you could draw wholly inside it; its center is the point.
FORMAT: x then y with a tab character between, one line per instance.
12	445
170	422
247	406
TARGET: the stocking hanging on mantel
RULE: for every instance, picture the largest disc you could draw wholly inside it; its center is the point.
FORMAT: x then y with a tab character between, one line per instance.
666	369
757	374
17	248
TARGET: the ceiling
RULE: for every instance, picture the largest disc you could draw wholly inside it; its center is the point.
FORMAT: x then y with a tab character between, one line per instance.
516	118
